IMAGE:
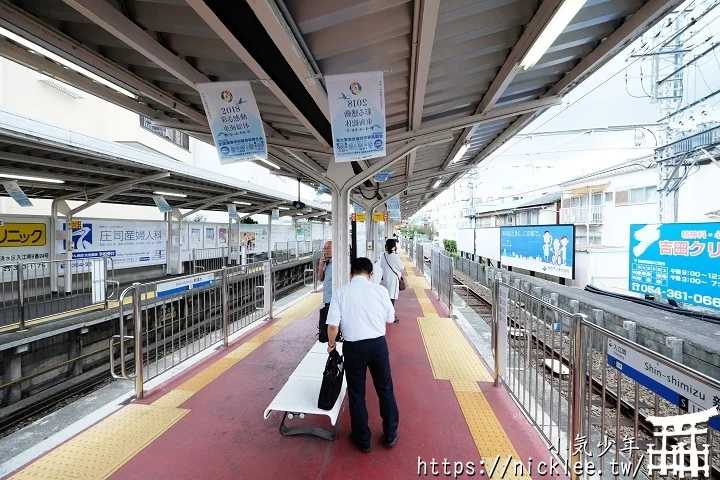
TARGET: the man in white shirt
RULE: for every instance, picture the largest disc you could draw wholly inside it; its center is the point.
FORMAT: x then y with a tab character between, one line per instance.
363	308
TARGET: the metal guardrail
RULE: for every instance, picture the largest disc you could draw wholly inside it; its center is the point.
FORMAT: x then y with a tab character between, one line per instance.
173	320
32	290
442	279
576	381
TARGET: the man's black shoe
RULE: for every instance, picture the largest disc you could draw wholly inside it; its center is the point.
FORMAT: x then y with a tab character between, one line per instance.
362	448
390	442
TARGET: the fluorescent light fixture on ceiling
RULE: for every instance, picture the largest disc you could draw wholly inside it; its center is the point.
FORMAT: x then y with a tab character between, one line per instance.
437	184
30	179
242	203
170	194
552	31
461	151
66	63
267	162
283	208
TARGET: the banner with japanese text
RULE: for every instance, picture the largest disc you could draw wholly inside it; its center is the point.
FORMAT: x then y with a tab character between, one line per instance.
234	120
677	261
24	239
357	115
548	249
130	243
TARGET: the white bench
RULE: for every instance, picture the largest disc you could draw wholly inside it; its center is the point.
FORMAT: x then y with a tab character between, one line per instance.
299	396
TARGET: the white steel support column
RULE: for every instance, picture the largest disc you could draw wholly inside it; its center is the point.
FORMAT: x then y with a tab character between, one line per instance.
270	290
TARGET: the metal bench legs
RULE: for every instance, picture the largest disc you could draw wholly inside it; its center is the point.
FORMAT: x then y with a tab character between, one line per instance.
307	430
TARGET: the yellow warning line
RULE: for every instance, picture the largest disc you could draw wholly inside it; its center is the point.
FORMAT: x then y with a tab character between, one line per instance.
102	449
453	358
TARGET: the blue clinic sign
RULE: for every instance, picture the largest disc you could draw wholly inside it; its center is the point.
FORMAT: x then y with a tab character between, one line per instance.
357	115
547	249
677	261
234	120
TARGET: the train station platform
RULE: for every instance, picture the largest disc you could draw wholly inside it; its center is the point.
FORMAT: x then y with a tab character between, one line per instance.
208	421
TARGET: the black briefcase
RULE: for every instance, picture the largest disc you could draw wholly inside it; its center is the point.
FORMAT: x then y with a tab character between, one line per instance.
331	382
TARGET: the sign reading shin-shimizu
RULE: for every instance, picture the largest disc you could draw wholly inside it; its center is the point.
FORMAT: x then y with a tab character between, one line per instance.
357	114
234	120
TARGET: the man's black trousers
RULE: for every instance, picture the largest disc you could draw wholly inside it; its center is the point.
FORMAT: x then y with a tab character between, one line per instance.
360	356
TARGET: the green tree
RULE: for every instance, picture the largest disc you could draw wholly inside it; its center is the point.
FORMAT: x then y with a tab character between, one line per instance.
450	246
248	220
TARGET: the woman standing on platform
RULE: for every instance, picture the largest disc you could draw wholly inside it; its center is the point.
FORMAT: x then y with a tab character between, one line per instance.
392	269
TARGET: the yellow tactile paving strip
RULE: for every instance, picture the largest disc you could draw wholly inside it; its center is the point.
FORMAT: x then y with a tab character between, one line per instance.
452	358
105	447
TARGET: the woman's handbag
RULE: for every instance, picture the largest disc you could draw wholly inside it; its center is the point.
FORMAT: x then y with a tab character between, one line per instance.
402	280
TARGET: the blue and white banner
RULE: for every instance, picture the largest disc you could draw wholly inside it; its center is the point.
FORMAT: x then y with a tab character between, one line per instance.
677	261
130	243
232	211
547	249
357	115
17	194
234	120
175	287
384	175
393	208
162	204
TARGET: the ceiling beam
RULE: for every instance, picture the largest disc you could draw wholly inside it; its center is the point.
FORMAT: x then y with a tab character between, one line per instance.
510	68
207	14
281	33
423	38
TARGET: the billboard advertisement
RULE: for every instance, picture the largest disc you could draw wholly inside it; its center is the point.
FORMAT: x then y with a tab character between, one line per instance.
548	249
130	243
677	261
24	239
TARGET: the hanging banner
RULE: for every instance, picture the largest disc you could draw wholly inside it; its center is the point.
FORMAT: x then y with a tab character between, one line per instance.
162	204
234	120
276	214
232	211
384	175
393	203
17	194
357	113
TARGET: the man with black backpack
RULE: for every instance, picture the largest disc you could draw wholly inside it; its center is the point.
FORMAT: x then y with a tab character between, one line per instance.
363	308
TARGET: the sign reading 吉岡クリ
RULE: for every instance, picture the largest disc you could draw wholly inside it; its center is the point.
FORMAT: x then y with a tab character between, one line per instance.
234	120
184	284
545	249
17	194
688	393
130	243
677	261
357	115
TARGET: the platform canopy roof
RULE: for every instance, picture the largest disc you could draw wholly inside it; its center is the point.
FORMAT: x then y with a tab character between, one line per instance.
450	66
53	163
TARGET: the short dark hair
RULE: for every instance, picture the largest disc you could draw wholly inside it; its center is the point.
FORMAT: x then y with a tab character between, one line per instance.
361	265
390	244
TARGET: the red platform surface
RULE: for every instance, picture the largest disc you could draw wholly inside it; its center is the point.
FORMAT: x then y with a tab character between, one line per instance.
225	436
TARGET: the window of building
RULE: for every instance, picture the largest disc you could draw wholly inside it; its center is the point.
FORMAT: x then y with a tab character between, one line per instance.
178	138
635	196
608	196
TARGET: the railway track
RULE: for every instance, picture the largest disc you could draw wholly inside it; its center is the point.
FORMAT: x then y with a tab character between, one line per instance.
481	306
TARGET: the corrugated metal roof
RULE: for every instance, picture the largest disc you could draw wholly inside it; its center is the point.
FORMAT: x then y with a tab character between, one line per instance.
443	60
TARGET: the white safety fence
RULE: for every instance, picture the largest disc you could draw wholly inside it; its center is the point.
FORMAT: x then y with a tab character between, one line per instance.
600	398
164	323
